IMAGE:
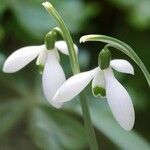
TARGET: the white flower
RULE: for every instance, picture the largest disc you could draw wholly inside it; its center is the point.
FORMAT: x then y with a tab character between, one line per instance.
53	75
103	81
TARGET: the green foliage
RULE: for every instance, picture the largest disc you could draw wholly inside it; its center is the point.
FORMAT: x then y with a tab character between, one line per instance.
10	114
138	12
33	18
105	122
53	129
3	7
26	120
107	125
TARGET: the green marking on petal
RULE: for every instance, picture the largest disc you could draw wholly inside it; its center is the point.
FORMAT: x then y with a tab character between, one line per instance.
99	91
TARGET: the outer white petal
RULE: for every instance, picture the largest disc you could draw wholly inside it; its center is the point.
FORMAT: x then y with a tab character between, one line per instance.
122	65
53	77
119	101
99	83
73	86
41	60
21	58
62	46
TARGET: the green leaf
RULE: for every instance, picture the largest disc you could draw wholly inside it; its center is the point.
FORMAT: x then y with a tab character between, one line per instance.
53	129
69	9
123	47
140	15
32	16
137	12
10	113
106	124
3	7
123	3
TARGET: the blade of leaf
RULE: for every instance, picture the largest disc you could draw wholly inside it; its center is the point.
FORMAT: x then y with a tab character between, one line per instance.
10	113
104	122
41	131
123	47
53	129
26	10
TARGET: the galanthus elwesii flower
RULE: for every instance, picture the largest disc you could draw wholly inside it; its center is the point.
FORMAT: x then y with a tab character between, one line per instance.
53	75
106	85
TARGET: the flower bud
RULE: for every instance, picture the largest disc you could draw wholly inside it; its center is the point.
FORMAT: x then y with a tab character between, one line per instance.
104	59
50	39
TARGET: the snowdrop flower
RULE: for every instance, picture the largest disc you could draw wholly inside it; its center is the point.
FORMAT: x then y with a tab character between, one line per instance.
53	75
104	84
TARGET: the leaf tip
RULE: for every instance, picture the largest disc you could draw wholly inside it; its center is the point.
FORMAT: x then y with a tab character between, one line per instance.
47	5
82	39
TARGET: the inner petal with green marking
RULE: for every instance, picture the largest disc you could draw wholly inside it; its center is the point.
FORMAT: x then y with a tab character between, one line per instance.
99	91
98	84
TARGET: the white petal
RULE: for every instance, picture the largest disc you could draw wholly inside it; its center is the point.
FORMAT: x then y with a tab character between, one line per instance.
73	86
62	46
41	60
21	58
119	101
122	65
98	84
53	77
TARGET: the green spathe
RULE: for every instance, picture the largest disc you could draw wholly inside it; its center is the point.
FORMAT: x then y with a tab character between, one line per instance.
50	39
104	59
99	91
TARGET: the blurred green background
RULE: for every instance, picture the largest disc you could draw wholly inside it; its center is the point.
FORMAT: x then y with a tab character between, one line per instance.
27	121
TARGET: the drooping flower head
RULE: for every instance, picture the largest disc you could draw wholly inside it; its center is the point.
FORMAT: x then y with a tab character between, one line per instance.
104	84
48	57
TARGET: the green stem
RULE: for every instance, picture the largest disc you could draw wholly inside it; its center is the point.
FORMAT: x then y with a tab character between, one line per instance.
66	36
75	69
88	123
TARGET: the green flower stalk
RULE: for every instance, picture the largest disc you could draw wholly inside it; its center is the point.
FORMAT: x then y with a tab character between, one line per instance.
123	47
75	69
